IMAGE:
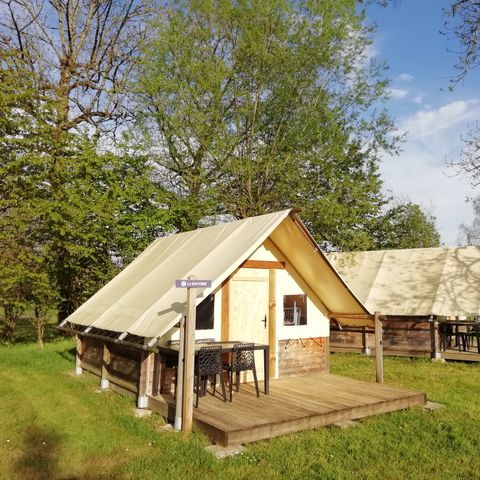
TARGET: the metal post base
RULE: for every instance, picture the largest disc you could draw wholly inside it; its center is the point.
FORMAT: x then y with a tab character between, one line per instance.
178	423
104	384
142	401
367	351
437	357
78	370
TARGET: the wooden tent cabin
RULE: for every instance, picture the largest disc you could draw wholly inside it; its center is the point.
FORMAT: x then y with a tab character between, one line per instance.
270	284
416	290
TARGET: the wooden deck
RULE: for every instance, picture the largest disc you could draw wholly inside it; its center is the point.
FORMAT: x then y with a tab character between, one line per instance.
294	404
455	354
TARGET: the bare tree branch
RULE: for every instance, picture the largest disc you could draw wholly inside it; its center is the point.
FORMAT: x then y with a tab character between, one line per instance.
84	51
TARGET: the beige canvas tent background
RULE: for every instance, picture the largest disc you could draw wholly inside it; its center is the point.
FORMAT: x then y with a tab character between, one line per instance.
416	291
415	282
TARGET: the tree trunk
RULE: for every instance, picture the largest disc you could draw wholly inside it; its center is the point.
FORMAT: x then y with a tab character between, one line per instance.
40	322
9	323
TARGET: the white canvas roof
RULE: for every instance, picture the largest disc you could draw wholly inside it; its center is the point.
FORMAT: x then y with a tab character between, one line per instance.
142	299
415	282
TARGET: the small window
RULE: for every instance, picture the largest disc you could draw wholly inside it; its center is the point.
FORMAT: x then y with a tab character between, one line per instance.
294	310
205	314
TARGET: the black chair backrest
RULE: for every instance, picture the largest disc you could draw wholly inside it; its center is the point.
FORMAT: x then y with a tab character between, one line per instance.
243	357
209	360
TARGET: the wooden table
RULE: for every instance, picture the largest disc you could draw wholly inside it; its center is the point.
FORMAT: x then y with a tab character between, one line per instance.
227	347
460	337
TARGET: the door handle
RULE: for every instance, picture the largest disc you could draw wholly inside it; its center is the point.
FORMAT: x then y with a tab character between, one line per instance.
264	320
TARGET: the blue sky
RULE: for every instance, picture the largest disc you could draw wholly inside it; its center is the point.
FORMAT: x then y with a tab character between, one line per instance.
408	38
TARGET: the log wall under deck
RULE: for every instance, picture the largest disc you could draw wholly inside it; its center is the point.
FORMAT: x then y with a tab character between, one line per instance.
403	336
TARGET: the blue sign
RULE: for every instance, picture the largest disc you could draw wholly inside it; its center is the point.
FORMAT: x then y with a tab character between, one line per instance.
193	283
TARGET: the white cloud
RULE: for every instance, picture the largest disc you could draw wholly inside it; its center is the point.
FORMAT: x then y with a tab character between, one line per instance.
421	173
427	122
405	77
398	93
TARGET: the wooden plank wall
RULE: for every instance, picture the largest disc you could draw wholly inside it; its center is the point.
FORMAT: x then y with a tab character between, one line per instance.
401	336
91	357
123	369
302	355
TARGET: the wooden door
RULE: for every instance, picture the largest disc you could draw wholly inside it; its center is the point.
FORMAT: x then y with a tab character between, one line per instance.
248	318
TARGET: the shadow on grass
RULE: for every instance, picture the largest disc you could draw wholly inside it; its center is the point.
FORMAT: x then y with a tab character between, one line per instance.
39	459
68	354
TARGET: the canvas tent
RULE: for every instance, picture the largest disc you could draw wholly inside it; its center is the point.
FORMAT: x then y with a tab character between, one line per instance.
270	286
259	268
143	301
414	289
415	282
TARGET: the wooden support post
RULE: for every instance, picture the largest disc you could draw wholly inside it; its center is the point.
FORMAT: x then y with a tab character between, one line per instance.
179	379
225	310
378	347
79	355
104	382
157	374
144	380
189	361
272	321
151	372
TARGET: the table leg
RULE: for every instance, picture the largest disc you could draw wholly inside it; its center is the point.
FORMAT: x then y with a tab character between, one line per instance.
266	372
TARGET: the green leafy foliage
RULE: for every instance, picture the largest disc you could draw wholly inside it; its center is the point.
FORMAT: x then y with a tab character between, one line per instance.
251	107
407	226
104	211
70	215
25	141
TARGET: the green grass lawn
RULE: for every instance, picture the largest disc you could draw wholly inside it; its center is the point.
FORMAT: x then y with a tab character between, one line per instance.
54	425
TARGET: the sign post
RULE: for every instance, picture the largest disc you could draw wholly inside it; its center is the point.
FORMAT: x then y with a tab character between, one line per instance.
187	364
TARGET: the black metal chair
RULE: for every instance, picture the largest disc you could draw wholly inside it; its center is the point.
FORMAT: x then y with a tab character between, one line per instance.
474	335
447	336
243	359
208	364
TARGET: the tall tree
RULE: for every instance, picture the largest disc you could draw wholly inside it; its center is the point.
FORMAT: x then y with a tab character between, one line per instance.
25	140
108	211
463	26
255	106
91	209
406	225
63	231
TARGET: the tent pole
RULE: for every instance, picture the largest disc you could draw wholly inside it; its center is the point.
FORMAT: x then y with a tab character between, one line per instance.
179	379
378	347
